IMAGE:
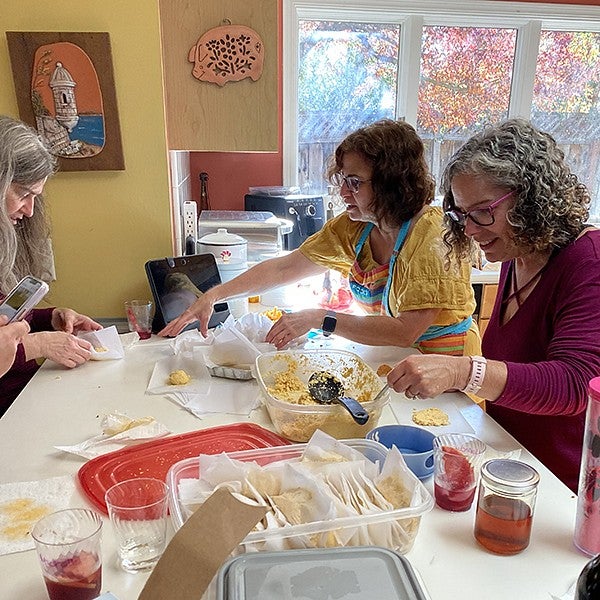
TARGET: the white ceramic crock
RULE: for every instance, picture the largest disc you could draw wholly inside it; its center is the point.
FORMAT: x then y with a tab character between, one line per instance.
226	247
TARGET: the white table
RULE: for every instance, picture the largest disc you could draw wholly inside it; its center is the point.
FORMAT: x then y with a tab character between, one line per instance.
61	407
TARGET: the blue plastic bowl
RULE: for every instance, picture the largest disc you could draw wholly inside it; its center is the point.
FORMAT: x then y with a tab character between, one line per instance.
415	445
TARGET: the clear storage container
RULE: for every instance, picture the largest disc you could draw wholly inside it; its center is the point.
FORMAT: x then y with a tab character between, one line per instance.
298	422
299	536
361	573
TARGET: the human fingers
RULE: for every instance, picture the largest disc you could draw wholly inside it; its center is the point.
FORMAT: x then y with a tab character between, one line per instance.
20	328
3	320
64	319
76	351
85	323
177	325
280	336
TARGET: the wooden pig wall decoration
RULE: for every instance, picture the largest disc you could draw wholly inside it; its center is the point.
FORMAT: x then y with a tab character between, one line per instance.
227	53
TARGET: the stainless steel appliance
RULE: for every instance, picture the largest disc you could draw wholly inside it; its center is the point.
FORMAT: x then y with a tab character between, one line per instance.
306	212
264	232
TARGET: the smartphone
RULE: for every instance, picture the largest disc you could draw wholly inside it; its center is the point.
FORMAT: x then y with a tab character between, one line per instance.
23	297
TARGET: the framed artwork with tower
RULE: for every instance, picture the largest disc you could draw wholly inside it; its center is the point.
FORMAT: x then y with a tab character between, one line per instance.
65	89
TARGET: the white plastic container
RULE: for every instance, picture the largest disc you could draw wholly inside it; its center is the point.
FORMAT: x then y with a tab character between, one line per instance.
302	535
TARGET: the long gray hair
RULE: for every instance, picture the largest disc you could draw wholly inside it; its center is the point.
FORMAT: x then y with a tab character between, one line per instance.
24	159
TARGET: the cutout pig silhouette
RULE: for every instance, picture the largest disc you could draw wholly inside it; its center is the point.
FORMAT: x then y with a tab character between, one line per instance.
227	53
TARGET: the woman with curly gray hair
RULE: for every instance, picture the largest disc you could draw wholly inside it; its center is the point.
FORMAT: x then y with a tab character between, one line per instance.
25	165
509	191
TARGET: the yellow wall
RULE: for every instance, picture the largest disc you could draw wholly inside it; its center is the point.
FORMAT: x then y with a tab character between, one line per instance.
106	224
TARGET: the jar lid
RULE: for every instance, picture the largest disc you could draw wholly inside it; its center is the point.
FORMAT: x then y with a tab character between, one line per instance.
223	238
594	388
510	475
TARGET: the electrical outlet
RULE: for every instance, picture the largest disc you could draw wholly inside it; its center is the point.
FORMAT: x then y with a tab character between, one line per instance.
190	220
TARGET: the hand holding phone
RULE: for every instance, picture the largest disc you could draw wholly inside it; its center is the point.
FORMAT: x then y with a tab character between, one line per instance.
23	297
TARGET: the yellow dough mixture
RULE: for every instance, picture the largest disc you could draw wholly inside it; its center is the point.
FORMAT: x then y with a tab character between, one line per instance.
179	377
430	416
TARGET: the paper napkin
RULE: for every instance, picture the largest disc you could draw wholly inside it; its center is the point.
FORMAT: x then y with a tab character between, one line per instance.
23	503
118	431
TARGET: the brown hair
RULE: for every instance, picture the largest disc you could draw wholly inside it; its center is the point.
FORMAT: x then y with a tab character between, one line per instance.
401	181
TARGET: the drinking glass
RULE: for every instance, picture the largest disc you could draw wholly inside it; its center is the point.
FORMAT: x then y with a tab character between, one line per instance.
139	317
138	512
457	460
68	548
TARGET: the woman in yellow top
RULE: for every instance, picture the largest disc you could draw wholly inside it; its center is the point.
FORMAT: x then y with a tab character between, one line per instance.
388	242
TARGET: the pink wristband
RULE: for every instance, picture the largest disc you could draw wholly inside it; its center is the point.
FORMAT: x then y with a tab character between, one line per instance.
478	365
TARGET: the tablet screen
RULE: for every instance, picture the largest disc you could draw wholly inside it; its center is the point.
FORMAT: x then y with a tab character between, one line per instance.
178	282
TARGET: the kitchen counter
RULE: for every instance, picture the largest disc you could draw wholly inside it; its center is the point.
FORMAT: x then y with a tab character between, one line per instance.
483	276
64	407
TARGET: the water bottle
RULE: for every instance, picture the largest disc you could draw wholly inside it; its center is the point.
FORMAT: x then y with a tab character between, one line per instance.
587	523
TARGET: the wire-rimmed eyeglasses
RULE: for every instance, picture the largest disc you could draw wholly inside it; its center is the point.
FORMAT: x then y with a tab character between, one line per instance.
479	216
352	182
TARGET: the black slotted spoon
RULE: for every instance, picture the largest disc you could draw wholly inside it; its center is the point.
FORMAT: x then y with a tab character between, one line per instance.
326	388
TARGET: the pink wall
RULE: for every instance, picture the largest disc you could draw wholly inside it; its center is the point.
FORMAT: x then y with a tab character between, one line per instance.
231	173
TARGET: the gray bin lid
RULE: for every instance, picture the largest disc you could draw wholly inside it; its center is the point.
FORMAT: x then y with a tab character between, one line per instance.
354	573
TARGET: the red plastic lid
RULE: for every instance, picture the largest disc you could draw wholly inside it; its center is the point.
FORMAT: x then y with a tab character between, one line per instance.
155	458
595	388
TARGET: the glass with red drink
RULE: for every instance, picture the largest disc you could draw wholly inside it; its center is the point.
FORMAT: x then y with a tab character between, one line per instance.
139	317
68	547
457	460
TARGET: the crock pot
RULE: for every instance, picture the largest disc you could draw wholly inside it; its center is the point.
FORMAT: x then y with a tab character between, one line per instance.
226	247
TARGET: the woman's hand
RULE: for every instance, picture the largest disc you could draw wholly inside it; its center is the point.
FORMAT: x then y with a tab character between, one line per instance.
61	347
292	325
10	337
429	375
200	311
69	321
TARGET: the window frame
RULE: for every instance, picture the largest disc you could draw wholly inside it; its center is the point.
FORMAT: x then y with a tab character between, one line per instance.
527	17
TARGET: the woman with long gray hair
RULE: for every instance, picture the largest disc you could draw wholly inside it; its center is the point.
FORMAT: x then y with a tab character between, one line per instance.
25	166
510	191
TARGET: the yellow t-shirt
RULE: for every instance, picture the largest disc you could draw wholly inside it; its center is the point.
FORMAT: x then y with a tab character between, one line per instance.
420	279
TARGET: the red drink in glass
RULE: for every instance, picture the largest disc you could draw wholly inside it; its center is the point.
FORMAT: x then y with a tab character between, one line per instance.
73	578
454	499
68	589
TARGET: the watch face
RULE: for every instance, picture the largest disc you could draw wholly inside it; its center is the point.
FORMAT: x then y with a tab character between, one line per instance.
329	324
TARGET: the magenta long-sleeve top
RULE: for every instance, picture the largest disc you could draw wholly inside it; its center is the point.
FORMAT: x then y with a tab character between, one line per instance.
551	347
22	370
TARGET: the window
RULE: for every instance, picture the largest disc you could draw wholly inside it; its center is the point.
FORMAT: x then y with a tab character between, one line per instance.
448	68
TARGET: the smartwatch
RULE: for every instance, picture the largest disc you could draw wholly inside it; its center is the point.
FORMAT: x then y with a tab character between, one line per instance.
329	323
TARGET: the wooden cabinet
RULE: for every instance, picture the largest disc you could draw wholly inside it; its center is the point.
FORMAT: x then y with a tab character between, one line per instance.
200	116
486	304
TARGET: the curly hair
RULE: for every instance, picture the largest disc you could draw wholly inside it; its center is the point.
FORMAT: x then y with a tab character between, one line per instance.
551	204
401	181
24	159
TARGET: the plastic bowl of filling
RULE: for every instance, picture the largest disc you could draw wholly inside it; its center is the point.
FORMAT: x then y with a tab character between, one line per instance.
283	378
415	445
